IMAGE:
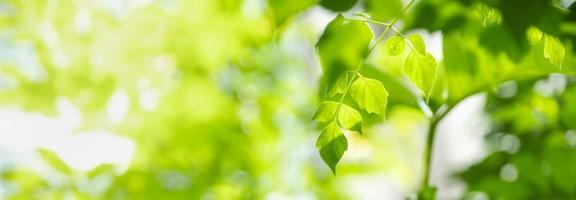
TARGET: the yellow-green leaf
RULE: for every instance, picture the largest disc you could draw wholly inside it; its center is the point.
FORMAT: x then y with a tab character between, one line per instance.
370	95
553	50
534	35
395	45
54	161
418	43
326	112
332	144
349	118
422	71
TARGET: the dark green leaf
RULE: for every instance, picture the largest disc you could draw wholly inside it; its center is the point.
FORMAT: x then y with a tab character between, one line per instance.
338	5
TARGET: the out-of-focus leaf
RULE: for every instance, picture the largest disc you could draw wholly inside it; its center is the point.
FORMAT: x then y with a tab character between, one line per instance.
332	144
534	35
384	10
395	45
370	95
540	13
340	85
418	43
422	71
338	5
282	10
342	47
100	169
553	50
54	161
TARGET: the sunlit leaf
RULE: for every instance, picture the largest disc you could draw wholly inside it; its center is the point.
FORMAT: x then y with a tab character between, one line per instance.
418	43
326	113
395	45
349	118
54	161
553	50
370	95
332	143
534	35
422	71
346	116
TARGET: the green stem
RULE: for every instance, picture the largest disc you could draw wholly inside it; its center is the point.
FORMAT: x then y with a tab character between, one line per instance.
428	152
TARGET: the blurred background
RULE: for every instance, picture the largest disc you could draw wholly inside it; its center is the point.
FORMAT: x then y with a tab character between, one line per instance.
196	99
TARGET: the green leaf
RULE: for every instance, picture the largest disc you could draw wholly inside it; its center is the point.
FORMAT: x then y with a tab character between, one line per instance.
384	10
553	50
342	46
395	45
326	112
283	10
418	43
54	161
422	71
370	95
534	35
100	169
347	116
332	143
338	5
339	86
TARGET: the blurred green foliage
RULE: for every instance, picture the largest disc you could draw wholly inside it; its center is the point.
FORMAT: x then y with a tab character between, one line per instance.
236	83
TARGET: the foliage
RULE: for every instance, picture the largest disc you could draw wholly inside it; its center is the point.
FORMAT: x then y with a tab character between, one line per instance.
233	89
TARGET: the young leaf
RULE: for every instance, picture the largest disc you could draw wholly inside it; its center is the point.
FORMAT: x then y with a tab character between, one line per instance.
553	50
395	45
339	86
422	71
418	43
54	161
326	113
332	143
342	47
349	118
370	95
